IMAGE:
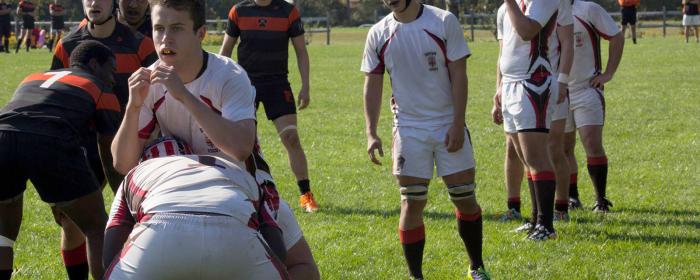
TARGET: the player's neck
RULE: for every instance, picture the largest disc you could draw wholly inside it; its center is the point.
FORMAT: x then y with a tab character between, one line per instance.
263	3
188	70
409	14
103	30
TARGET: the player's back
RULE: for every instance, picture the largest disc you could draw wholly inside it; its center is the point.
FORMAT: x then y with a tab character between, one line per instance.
61	104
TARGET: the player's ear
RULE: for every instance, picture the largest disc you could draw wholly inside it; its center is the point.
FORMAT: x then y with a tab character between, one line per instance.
201	32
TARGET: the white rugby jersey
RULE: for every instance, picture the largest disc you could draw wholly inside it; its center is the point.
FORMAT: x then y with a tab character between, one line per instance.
223	86
591	22
564	17
415	55
527	60
189	183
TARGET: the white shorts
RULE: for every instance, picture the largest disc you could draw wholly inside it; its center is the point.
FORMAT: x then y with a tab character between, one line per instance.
417	150
186	246
528	107
587	108
693	20
561	110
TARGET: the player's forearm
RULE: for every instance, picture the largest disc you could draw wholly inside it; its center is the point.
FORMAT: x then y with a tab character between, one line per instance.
304	66
458	78
235	139
113	176
566	41
617	44
499	75
227	46
126	146
524	26
115	237
300	262
372	102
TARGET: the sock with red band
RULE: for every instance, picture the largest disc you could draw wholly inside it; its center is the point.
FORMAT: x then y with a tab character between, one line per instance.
545	186
413	242
514	203
470	227
573	186
76	263
561	206
533	199
598	170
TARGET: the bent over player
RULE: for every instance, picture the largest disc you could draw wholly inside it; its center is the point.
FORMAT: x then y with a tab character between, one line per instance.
40	140
424	51
587	109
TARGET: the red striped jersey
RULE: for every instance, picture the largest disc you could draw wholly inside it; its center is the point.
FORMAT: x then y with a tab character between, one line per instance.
57	8
131	49
264	34
64	104
26	6
591	23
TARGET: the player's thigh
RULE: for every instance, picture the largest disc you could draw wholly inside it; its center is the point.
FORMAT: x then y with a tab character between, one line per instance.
412	153
528	107
256	263
534	149
278	100
447	163
589	108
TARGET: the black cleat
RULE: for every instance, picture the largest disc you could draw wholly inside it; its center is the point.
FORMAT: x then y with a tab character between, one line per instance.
575	203
602	206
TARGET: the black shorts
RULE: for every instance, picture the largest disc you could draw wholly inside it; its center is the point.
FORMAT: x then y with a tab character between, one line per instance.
629	15
58	169
278	100
5	29
27	22
93	157
57	25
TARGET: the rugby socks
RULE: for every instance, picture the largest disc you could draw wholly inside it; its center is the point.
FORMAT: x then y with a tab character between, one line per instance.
76	263
514	203
19	44
7	45
304	186
533	198
470	227
573	186
413	242
598	170
561	206
545	186
5	274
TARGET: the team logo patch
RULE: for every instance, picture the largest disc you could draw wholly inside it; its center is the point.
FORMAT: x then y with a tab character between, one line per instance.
262	22
288	96
578	39
432	60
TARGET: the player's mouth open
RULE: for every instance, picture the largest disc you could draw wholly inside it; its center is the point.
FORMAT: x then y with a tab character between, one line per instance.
166	51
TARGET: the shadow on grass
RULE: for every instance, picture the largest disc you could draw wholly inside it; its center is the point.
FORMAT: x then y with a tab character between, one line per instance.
649	211
669	218
647	238
393	212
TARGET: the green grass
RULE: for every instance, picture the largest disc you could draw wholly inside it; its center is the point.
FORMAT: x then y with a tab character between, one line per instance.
651	138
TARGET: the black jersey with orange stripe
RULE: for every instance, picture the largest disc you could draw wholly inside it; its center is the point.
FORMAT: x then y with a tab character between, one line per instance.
131	49
264	34
64	104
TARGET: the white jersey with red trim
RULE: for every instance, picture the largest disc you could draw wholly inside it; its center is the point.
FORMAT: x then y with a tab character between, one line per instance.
416	55
192	183
527	60
591	22
223	86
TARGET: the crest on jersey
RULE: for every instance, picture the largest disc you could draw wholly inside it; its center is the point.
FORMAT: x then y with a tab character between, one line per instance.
262	22
432	60
578	39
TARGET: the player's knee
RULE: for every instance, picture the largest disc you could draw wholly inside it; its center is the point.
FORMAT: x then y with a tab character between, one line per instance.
414	193
290	137
462	193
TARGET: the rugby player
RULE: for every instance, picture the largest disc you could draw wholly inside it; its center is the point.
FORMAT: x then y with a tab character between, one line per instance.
57	13
265	28
529	92
40	140
27	11
207	101
134	13
560	42
628	9
691	18
587	109
423	50
5	26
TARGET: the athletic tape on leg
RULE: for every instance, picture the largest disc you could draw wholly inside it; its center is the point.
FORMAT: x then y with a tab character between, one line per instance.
6	242
414	192
460	192
289	127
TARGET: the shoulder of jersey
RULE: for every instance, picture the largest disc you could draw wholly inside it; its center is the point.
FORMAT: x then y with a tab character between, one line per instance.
223	66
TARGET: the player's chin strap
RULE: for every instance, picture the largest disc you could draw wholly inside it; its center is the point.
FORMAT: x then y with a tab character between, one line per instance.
111	15
6	242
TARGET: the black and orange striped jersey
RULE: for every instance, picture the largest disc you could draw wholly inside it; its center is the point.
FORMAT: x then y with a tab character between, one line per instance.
264	34
26	6
57	8
64	104
131	49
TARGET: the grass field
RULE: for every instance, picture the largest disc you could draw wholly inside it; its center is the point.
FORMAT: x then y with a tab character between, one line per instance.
651	137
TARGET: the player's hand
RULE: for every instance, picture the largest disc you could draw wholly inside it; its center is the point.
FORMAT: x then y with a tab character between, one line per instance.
496	113
454	138
563	92
166	75
599	80
139	82
374	143
304	98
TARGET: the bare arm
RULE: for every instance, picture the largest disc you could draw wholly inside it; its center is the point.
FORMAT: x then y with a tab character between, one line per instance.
372	104
617	44
227	45
565	34
526	27
115	237
127	145
304	66
113	177
496	114
300	262
458	77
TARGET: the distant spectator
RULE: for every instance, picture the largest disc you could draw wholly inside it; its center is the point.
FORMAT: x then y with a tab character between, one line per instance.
629	16
691	18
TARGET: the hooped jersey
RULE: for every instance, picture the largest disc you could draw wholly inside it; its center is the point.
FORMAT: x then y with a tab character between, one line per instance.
416	55
591	23
63	104
57	8
26	6
528	60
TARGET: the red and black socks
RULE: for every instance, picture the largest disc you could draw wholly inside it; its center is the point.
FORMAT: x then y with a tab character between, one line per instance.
413	242
533	199
514	203
76	262
598	170
470	227
545	187
573	186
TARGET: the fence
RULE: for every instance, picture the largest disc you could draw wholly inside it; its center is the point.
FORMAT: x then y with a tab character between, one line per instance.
487	22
